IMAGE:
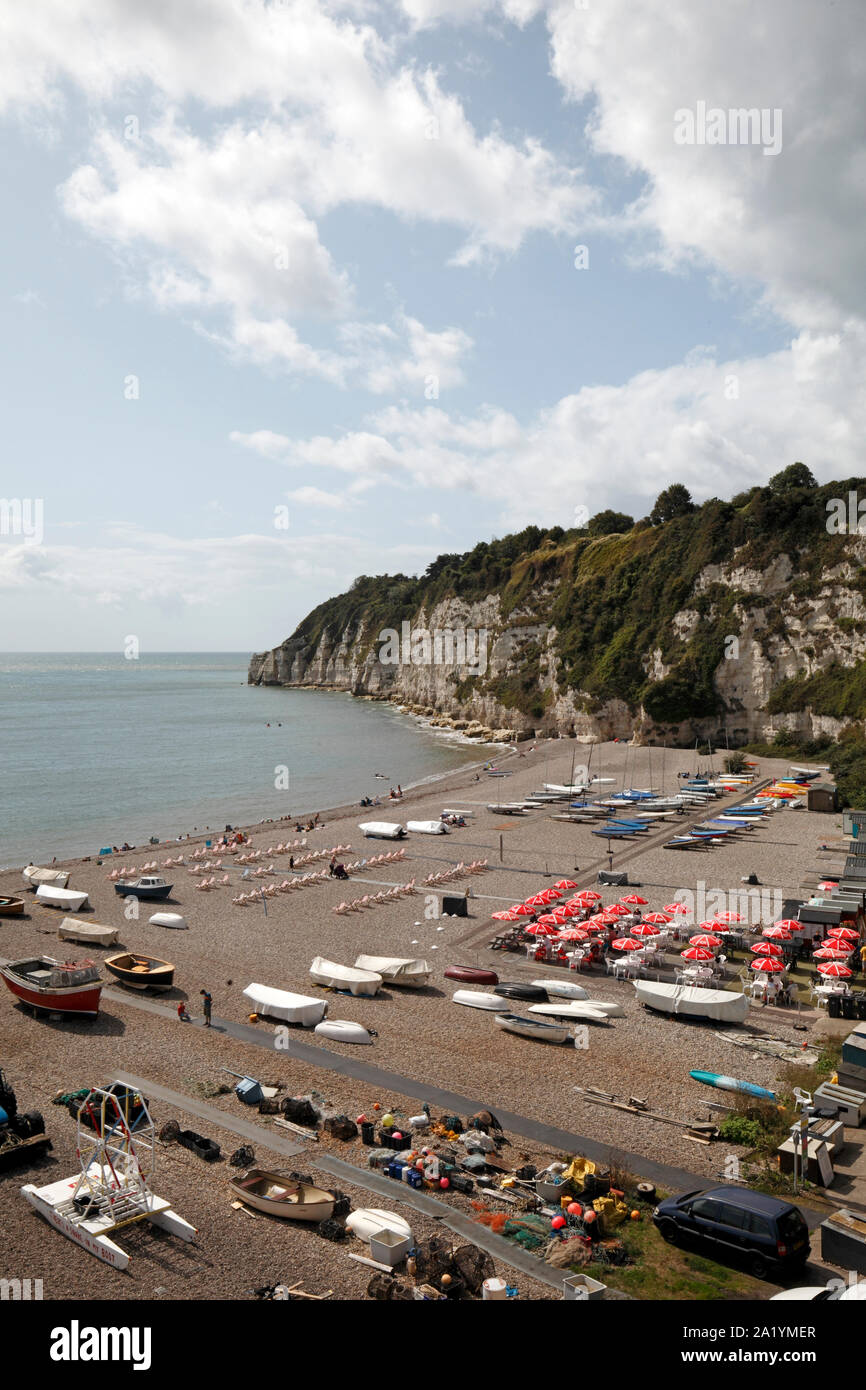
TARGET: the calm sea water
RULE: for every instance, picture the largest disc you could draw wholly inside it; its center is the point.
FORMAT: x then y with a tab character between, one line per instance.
97	750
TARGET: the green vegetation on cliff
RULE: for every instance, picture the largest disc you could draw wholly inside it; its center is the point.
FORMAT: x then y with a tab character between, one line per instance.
612	596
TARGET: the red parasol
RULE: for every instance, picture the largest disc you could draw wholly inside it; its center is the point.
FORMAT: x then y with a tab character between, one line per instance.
676	907
836	969
635	900
788	924
697	953
705	939
644	929
625	943
766	948
541	929
767	963
776	933
565	883
662	918
844	933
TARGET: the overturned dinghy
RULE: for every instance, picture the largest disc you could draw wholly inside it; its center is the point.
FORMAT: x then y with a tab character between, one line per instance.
562	989
279	1003
476	999
688	1001
583	1011
168	919
343	1030
382	830
534	993
397	970
532	1028
373	1221
336	976
471	975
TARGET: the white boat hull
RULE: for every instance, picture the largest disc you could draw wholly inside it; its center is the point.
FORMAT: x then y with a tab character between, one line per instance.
168	919
342	1030
477	999
563	989
373	1221
382	830
572	1008
689	1001
427	827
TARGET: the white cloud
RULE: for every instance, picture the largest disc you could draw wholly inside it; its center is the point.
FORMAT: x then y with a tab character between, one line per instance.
316	497
716	426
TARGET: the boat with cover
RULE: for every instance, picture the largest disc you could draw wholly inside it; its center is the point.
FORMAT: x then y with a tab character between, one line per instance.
90	933
471	975
382	830
140	972
397	970
508	808
281	1196
476	999
51	896
532	1028
536	993
690	1001
562	989
33	876
61	987
335	976
279	1003
584	1011
148	887
343	1030
427	827
11	907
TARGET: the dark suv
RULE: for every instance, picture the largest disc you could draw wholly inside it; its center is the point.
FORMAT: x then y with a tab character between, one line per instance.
768	1232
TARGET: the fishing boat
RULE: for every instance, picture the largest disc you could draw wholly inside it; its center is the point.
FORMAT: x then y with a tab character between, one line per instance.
51	896
382	830
471	975
282	1196
279	1003
148	887
90	933
476	999
343	1030
11	907
427	827
397	970
33	876
562	989
335	976
532	1028
536	993
58	987
689	1001
140	972
731	1083
582	1010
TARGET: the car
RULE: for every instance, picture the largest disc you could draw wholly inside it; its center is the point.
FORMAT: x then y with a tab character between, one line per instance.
835	1292
769	1232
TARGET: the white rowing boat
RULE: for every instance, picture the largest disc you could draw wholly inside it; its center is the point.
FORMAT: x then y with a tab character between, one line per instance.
373	1221
280	1003
476	999
335	976
689	1001
532	1028
397	970
33	876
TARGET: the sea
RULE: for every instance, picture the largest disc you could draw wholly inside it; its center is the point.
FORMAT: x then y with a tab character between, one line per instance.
98	749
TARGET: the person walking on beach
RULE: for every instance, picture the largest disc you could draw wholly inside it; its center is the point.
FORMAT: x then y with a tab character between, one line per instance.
207	1002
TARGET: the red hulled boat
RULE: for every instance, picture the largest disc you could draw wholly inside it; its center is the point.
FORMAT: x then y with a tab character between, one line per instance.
58	987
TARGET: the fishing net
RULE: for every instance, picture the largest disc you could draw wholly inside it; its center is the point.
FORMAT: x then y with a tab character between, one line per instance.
474	1267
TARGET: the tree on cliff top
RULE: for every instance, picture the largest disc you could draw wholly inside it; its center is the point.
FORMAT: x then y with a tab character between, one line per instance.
795	475
675	501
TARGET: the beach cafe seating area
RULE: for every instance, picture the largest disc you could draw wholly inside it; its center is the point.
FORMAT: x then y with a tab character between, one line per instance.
781	963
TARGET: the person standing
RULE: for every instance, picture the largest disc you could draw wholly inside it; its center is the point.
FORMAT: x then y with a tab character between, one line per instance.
207	1003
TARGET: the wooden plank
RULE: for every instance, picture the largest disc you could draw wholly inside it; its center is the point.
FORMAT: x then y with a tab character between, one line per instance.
310	1134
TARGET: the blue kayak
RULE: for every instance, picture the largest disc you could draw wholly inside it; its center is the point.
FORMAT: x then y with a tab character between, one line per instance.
730	1083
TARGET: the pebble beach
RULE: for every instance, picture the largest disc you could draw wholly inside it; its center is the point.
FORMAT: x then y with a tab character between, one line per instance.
421	1035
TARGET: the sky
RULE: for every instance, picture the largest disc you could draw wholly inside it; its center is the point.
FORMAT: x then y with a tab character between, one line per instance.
299	290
